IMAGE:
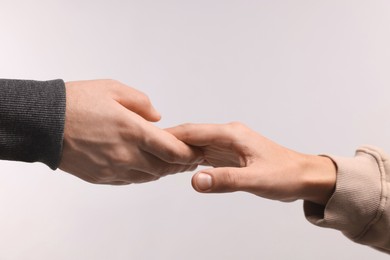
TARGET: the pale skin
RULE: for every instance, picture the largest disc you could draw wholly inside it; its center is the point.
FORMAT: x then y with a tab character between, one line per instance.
109	137
243	160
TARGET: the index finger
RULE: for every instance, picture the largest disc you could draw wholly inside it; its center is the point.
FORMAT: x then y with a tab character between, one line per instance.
206	134
137	101
168	148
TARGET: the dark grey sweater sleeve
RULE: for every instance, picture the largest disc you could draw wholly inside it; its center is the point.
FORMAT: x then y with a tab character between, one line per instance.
32	118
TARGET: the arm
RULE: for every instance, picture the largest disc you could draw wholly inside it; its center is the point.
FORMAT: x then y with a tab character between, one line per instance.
103	134
246	161
359	206
31	120
109	137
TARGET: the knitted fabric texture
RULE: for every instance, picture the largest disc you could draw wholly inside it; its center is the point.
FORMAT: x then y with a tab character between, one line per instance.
32	118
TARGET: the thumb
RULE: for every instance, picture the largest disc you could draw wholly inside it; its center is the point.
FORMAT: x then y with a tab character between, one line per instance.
218	180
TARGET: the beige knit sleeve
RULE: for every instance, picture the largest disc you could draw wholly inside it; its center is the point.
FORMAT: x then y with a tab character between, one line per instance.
359	206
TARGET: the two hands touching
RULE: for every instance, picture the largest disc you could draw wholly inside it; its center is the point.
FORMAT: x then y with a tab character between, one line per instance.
110	138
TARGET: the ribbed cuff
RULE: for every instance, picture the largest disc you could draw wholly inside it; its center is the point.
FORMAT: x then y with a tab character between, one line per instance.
358	201
32	118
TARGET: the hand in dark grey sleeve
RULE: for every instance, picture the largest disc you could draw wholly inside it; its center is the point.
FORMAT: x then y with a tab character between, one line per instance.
110	138
100	131
32	116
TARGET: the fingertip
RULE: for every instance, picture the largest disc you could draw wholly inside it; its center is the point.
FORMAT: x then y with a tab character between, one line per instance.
202	182
153	115
220	180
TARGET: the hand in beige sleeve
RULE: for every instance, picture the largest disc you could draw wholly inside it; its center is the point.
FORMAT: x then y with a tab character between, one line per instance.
109	137
247	161
357	204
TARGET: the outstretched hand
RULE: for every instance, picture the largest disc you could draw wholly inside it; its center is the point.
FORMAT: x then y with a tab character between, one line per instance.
109	137
247	161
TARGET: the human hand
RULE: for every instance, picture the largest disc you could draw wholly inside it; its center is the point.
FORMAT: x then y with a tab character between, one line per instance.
247	161
109	137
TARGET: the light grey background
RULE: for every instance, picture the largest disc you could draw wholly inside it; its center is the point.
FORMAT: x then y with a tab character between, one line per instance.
311	75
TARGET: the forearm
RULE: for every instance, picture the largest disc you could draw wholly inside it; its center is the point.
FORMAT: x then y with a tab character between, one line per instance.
318	178
358	206
32	120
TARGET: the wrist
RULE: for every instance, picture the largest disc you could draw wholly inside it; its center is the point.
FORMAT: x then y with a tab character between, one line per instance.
319	179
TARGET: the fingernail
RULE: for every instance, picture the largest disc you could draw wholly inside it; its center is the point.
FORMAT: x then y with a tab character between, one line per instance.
204	181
